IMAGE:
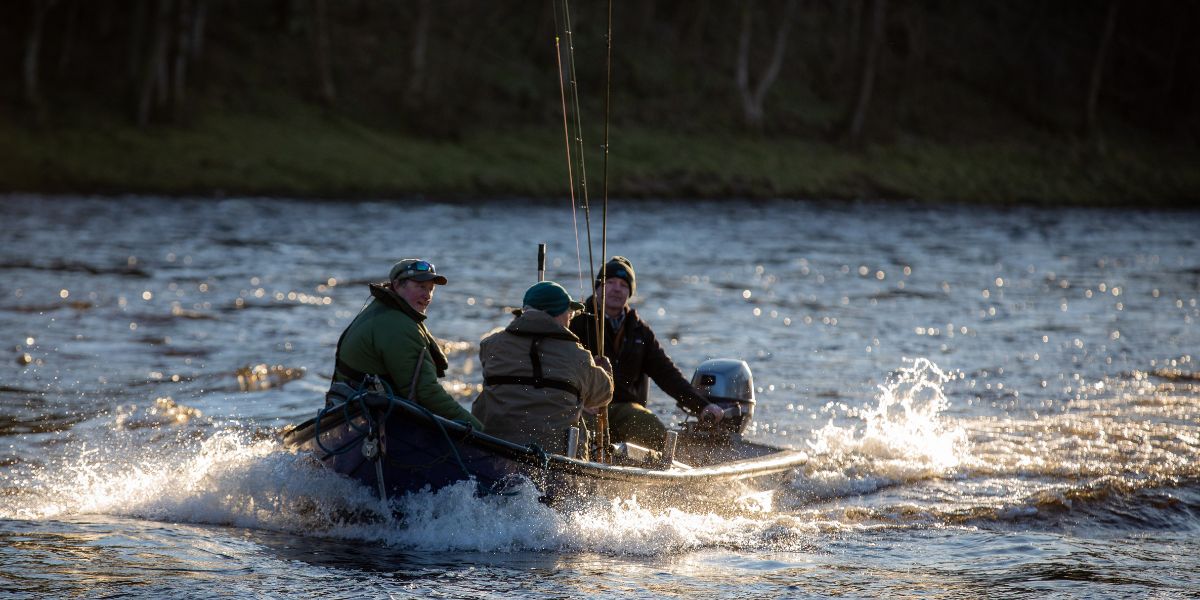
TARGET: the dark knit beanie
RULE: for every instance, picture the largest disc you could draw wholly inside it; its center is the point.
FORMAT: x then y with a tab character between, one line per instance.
551	298
618	266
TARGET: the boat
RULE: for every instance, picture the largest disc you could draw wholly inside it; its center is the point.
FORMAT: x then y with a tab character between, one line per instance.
397	447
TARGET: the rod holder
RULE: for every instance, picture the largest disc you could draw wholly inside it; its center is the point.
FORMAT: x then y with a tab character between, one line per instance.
541	262
668	454
572	441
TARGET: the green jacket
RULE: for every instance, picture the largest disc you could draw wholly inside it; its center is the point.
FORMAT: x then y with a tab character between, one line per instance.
386	339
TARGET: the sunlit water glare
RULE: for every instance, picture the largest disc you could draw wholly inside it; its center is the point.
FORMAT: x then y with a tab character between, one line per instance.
995	402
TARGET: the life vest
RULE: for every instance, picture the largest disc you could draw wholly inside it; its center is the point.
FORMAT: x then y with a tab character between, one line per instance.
538	380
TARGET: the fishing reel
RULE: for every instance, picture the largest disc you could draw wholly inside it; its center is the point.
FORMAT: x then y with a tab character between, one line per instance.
729	384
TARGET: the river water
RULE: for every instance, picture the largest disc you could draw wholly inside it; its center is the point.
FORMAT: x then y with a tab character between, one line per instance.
996	402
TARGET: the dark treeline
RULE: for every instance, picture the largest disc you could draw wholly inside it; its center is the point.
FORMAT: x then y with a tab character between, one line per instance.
849	70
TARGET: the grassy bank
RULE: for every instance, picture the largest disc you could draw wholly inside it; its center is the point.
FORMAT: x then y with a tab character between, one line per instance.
297	150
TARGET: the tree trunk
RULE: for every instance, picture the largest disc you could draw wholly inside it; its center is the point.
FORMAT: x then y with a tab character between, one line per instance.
162	76
742	75
199	18
106	19
754	96
137	42
645	28
866	81
693	38
1093	96
152	78
415	92
68	39
289	16
917	56
321	56
33	49
851	46
183	32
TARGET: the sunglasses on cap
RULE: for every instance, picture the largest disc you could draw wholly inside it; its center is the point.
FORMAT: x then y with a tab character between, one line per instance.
418	267
415	268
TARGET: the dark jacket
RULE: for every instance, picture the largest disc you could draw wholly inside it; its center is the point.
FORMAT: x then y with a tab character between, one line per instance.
386	339
639	357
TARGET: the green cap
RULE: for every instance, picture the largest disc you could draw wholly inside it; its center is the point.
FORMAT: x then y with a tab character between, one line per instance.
415	269
550	297
618	266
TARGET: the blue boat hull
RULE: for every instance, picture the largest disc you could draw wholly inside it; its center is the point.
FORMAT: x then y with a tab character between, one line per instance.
417	450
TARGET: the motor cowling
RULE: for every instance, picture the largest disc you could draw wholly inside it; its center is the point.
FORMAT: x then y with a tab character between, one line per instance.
729	384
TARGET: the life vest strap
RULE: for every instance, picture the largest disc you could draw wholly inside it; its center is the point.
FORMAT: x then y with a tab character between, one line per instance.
537	381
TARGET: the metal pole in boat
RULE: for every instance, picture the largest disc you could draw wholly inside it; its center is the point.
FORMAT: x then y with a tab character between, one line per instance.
572	441
541	262
668	453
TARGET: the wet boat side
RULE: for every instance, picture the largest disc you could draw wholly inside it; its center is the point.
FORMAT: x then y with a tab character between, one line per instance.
419	450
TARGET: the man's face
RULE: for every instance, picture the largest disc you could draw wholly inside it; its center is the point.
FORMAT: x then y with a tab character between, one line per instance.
564	318
418	294
616	294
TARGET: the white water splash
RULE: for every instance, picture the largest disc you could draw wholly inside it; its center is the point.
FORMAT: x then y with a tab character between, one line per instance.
454	518
227	479
232	478
186	473
904	437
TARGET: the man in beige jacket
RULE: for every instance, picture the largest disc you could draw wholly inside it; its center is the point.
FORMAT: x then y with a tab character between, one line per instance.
538	380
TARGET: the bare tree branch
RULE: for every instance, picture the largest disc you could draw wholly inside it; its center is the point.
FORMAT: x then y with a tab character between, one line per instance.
866	84
320	45
754	96
33	48
1093	96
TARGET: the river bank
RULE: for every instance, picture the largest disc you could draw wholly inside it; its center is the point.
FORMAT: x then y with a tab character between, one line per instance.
303	152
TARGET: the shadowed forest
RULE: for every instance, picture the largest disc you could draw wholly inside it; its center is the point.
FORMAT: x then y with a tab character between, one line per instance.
997	101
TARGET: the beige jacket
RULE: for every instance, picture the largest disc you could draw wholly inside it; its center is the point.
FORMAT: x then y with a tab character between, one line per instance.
521	412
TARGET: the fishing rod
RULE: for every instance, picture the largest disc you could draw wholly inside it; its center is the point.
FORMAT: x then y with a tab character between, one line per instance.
604	210
581	182
567	144
605	438
572	74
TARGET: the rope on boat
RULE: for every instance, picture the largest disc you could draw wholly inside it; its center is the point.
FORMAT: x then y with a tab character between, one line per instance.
542	456
374	425
357	397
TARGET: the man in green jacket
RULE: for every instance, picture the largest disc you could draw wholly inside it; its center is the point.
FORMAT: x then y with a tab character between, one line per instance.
389	339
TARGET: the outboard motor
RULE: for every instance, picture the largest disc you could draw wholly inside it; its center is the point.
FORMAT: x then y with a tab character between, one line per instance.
728	383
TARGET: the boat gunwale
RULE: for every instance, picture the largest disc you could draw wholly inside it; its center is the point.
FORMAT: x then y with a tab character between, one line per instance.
781	460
